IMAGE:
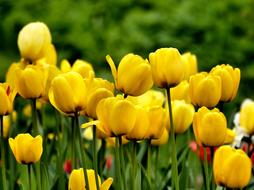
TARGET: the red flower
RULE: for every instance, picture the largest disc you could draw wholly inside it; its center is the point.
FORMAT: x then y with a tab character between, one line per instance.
109	162
67	166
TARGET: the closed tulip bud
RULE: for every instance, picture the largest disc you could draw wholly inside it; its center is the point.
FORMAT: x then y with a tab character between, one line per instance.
26	149
230	79
190	64
7	96
6	125
77	180
141	125
231	167
134	76
162	140
247	116
33	40
30	81
182	115
68	92
181	92
116	115
97	89
167	67
205	90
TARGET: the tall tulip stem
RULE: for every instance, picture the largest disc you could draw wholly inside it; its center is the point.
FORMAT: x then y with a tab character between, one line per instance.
175	178
149	160
134	164
117	164
29	166
73	156
122	162
95	161
3	155
206	170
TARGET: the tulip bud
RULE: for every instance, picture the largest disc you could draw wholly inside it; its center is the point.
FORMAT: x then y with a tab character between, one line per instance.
33	40
181	92
231	167
7	96
134	76
230	79
247	116
167	67
77	180
26	149
190	64
162	140
205	89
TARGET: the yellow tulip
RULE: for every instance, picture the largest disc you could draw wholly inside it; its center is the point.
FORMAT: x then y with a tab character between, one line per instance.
181	92
247	116
141	125
111	141
30	81
231	167
77	180
183	114
190	64
134	76
117	115
162	140
68	92
84	68
26	149
210	127
205	89
97	89
7	96
167	67
148	99
230	79
33	40
27	110
50	56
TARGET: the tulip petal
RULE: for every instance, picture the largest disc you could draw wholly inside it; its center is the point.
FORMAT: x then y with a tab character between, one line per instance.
112	67
106	184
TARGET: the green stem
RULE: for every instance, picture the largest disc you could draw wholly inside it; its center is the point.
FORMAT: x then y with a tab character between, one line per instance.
206	170
95	161
157	165
173	143
134	164
117	162
73	152
149	159
35	130
29	176
82	156
3	155
122	162
38	174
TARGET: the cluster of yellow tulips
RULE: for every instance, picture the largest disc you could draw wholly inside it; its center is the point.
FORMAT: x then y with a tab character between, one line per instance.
126	113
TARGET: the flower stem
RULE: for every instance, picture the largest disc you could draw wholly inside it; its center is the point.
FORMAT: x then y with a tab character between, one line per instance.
73	156
175	179
3	155
35	130
117	162
134	164
122	162
82	156
29	176
95	161
206	170
149	159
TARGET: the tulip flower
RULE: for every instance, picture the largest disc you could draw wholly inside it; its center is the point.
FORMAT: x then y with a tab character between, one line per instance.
190	64
97	89
30	81
26	149
7	96
68	92
50	56
205	89
34	40
247	116
162	140
133	76
181	92
7	121
231	167
167	67
77	181
84	68
230	79
210	128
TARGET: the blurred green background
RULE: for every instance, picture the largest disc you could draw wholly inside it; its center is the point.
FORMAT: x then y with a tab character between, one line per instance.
216	31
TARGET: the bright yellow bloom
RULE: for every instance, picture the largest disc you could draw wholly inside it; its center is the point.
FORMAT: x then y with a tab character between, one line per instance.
230	79
205	89
167	67
77	180
68	93
231	167
162	140
7	96
190	64
117	115
27	110
97	89
210	128
181	92
247	116
84	68
30	81
134	75
7	121
50	56
183	114
26	149
33	40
